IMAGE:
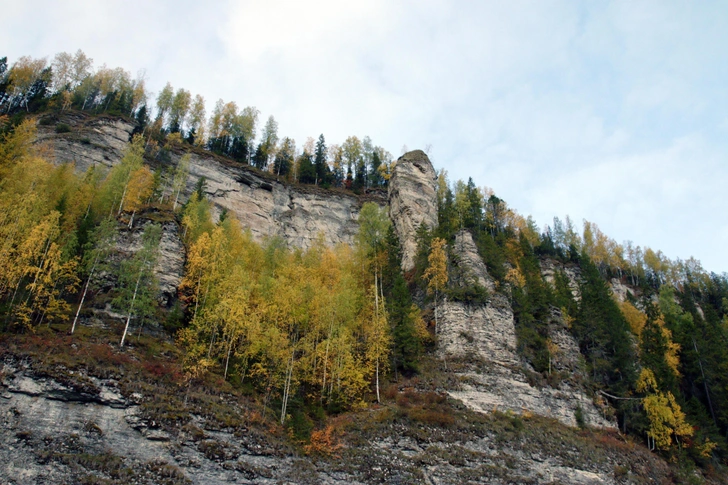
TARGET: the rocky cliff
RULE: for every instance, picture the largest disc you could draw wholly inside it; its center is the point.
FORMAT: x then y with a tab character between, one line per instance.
412	201
299	214
91	413
483	336
105	423
267	207
90	141
482	339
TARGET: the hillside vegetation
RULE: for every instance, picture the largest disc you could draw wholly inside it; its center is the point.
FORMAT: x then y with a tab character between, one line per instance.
314	351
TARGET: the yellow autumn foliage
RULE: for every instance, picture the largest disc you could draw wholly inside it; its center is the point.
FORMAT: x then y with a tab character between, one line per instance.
667	421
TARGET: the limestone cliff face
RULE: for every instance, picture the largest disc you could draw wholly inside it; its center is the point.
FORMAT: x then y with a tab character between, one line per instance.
480	335
91	140
298	214
620	289
169	268
412	201
482	338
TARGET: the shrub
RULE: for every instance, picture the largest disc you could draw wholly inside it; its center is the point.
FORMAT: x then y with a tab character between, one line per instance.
63	128
323	441
579	416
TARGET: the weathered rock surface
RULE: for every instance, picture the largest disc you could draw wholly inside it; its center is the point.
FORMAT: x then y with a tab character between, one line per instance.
170	266
412	201
91	141
298	214
549	268
471	268
55	432
483	338
621	290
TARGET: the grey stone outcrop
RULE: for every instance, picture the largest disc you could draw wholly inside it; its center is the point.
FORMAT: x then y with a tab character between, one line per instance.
482	337
412	201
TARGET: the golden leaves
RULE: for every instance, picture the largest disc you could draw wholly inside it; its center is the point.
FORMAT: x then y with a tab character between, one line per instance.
667	421
436	272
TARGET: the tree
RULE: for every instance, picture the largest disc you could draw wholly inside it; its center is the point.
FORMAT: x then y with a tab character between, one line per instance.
181	173
164	102
137	282
268	143
667	421
320	161
196	133
337	165
283	162
375	175
352	154
436	272
139	190
138	96
69	70
23	76
306	168
178	110
404	318
100	245
116	185
603	333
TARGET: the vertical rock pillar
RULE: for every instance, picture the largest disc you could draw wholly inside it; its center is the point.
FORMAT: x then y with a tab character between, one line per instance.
412	201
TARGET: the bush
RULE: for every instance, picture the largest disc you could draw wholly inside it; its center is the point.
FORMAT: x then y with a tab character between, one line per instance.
579	416
472	294
63	128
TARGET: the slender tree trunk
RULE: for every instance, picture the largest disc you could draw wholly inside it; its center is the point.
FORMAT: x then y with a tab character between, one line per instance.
326	359
229	351
176	199
83	296
287	387
131	306
123	196
40	268
376	294
377	372
705	383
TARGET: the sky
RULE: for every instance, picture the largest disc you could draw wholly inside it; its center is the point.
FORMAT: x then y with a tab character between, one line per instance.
614	111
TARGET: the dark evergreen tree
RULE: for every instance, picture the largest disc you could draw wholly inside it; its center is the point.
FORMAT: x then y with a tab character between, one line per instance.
406	344
447	217
260	158
360	180
532	305
239	150
349	182
474	215
323	174
375	178
283	162
603	333
142	119
306	169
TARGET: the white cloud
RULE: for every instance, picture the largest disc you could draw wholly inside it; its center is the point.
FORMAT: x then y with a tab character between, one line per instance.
611	111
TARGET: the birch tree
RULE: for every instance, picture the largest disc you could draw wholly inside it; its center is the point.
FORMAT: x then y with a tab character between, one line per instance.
100	245
436	272
137	282
179	182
